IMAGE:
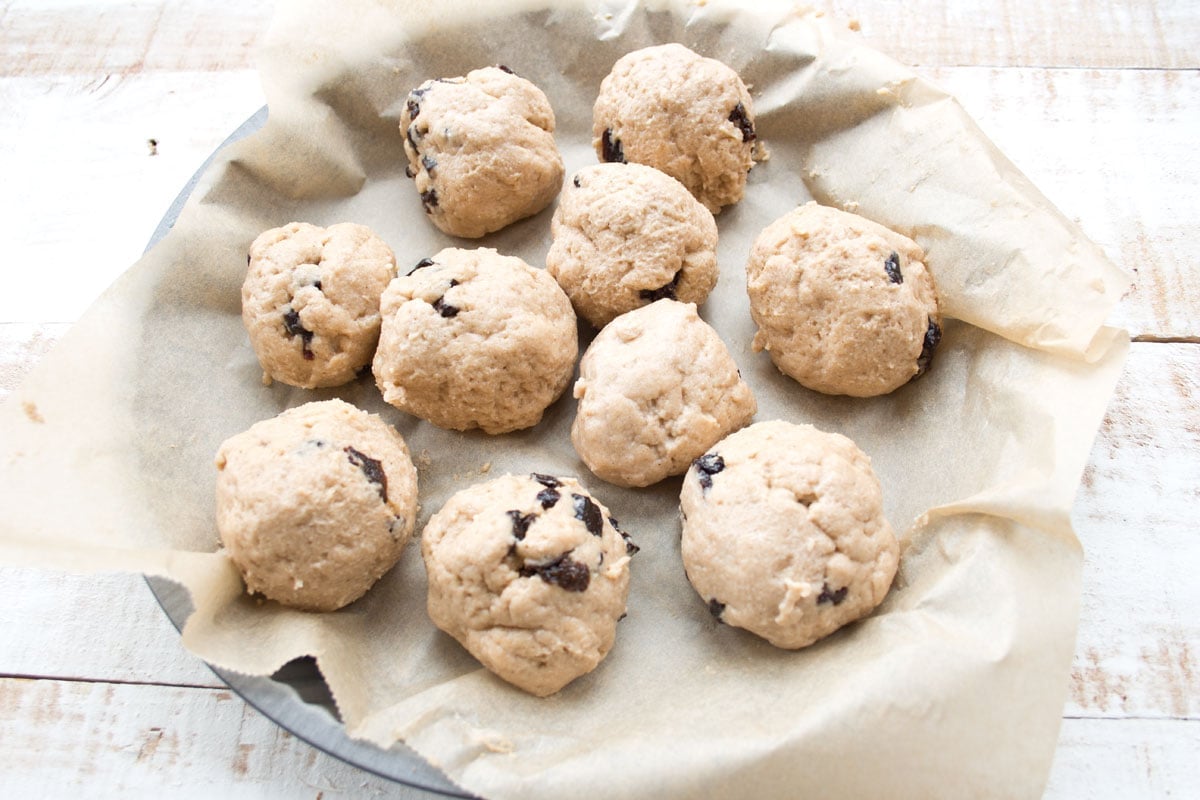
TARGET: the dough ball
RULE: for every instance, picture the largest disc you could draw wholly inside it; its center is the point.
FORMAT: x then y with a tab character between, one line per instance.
310	301
784	533
625	235
843	305
657	387
530	575
315	505
474	339
689	116
481	150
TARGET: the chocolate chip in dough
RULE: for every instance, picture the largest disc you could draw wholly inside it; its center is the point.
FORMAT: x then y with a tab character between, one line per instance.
588	513
372	468
738	117
564	572
835	597
891	266
708	465
933	337
611	148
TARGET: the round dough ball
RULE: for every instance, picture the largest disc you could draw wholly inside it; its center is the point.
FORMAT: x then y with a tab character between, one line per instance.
625	235
689	116
481	150
315	505
843	305
530	575
310	301
657	387
474	339
784	533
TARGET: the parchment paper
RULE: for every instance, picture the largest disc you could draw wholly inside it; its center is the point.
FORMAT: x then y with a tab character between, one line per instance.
953	688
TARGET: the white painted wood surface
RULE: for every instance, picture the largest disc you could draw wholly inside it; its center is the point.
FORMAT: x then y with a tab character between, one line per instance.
1098	101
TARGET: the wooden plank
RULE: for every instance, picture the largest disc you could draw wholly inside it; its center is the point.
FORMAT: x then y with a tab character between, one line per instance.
108	39
1138	648
1112	150
84	188
122	38
91	628
60	738
1102	759
1072	33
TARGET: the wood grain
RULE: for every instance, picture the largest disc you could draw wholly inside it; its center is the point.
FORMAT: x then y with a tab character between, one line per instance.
1074	33
1138	647
193	743
115	39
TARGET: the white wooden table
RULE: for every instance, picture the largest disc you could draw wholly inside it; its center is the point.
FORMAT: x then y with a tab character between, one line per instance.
107	108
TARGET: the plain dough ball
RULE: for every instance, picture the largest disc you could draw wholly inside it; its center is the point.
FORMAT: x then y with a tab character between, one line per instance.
843	304
784	533
316	504
689	116
625	235
657	387
474	339
310	301
481	150
530	575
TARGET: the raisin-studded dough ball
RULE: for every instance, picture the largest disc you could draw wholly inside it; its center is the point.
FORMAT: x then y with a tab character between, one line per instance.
657	387
689	116
625	235
474	339
310	301
843	304
481	150
314	505
530	575
784	533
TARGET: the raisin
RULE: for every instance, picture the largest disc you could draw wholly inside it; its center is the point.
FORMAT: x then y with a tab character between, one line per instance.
521	523
933	337
414	108
370	467
611	148
588	513
317	285
564	572
422	264
738	117
574	180
430	200
444	308
428	163
892	267
666	291
548	497
294	328
836	597
716	608
549	481
706	466
503	68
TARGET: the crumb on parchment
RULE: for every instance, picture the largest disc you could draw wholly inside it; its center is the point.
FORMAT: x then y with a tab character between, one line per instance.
31	412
